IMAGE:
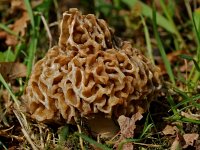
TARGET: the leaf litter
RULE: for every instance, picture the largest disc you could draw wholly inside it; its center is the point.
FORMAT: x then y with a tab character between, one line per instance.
127	127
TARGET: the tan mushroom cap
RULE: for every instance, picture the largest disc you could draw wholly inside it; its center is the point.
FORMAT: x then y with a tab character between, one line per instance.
88	74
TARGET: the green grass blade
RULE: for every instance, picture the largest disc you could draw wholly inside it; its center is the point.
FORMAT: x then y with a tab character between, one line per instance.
146	127
196	23
188	120
172	104
169	17
91	141
64	133
5	28
161	48
9	90
188	100
120	146
148	41
190	58
34	41
1	144
18	49
32	50
147	12
30	12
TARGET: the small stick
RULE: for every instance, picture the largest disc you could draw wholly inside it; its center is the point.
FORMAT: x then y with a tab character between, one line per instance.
47	29
80	139
29	139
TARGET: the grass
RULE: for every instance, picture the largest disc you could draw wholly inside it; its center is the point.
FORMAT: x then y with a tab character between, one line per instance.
34	38
148	40
161	48
160	31
9	90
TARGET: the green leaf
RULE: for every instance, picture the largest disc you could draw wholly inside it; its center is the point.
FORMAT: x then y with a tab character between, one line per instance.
147	12
7	56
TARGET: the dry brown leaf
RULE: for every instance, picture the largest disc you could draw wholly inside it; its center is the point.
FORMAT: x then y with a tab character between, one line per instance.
2	34
127	127
175	144
17	5
5	69
189	115
169	130
35	3
197	144
189	139
20	24
19	70
19	28
11	40
11	70
173	56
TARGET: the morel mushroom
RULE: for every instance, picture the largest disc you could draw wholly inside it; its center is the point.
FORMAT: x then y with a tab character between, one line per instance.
89	73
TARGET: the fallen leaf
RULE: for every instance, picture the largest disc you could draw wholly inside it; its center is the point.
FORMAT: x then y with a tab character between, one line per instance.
189	139
127	127
169	130
176	144
35	3
2	34
11	70
11	40
19	28
19	70
5	69
19	25
197	144
173	56
17	5
189	115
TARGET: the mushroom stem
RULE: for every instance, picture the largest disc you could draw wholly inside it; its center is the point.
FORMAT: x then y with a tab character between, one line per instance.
103	127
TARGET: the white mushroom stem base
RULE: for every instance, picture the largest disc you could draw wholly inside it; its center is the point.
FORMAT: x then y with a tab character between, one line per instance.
103	127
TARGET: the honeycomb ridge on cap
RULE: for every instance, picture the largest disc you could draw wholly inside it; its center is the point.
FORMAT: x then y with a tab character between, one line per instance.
87	74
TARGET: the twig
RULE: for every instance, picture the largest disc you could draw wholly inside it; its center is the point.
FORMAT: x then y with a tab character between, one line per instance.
47	29
29	139
80	139
24	124
55	23
41	138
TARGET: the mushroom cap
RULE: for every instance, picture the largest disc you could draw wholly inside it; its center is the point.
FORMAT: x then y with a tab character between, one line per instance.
89	73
